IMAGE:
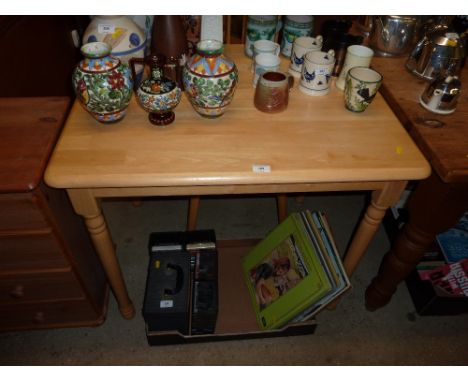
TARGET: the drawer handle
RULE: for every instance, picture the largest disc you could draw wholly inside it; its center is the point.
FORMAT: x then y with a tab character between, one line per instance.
39	318
17	292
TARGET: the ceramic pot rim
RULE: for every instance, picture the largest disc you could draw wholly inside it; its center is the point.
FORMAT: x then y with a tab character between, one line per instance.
360	50
368	75
321	58
97	49
263	19
210	47
309	42
265	44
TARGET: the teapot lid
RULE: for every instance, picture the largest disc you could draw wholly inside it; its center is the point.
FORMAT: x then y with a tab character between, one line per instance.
445	38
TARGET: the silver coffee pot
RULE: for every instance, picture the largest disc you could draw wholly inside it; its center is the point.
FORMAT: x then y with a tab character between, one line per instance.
439	53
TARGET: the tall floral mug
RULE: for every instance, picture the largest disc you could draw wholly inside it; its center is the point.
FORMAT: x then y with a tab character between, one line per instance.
316	72
361	86
260	27
294	27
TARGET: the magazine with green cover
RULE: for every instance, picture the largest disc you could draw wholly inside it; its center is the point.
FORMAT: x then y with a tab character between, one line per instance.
284	275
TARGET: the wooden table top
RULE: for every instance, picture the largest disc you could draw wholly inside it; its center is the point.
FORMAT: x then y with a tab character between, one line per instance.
315	140
29	129
446	148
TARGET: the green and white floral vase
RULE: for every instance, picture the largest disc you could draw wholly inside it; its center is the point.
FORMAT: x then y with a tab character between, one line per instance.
102	83
210	79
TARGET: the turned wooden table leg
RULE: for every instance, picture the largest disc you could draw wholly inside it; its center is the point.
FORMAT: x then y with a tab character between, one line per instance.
381	200
86	205
433	207
194	204
282	206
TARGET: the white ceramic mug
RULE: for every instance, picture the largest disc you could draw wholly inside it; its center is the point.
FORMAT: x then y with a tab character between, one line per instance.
316	72
302	46
265	46
265	62
356	55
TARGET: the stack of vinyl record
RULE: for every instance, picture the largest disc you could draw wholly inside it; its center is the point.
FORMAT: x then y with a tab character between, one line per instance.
294	272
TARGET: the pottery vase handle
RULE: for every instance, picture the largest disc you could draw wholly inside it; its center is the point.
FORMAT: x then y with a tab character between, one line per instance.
132	62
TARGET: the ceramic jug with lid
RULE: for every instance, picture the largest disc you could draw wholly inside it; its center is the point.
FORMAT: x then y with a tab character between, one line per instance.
158	95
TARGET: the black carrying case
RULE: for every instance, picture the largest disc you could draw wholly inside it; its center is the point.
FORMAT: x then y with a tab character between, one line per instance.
182	290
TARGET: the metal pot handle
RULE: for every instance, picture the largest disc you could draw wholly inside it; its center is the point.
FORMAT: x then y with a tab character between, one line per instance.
416	52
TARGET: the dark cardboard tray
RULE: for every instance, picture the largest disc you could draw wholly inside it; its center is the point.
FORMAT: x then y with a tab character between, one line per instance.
236	317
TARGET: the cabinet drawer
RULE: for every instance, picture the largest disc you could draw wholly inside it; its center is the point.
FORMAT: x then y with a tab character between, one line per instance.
20	212
49	315
27	252
33	287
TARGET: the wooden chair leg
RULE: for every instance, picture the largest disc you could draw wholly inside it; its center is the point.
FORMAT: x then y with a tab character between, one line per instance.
193	213
282	205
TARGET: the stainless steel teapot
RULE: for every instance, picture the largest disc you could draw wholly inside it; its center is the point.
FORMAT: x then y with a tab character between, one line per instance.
393	36
439	52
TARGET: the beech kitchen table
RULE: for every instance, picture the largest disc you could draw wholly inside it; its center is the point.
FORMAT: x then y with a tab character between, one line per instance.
315	145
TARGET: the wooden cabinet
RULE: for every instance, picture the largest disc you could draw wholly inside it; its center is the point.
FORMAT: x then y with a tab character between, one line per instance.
50	275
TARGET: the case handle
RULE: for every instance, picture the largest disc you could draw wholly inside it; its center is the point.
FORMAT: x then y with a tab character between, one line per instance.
179	280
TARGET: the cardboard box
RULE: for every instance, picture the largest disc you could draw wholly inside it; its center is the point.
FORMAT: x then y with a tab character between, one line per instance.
236	317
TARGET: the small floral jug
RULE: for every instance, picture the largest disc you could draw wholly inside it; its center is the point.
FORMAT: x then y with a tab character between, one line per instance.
158	95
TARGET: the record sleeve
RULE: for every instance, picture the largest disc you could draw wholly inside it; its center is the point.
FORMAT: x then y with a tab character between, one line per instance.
284	274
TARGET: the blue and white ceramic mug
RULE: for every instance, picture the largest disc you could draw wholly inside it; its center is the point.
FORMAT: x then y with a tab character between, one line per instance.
316	72
302	46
